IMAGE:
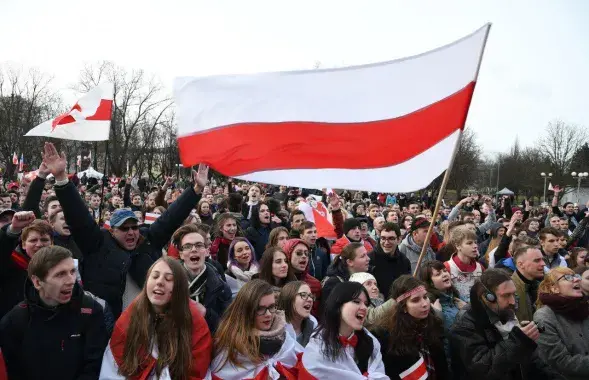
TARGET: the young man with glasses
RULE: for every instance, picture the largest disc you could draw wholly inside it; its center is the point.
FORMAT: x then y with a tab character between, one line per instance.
388	263
205	285
116	261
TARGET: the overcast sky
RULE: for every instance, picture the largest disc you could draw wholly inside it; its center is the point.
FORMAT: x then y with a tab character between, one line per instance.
534	69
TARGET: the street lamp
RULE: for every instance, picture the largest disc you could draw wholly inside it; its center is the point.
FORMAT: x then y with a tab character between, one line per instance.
579	177
545	178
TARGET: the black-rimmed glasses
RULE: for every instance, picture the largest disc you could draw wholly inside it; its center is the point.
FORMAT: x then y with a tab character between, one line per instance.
262	310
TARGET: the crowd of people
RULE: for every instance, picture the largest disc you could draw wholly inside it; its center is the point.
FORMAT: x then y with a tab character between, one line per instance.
208	279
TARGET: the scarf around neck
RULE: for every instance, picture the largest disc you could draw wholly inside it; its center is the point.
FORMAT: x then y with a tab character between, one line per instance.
574	308
241	275
271	341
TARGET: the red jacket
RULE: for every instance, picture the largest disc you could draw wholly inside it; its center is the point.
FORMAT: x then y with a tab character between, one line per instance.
202	345
313	283
341	243
3	374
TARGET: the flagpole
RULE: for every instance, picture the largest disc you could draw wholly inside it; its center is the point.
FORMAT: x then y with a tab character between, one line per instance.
105	175
430	230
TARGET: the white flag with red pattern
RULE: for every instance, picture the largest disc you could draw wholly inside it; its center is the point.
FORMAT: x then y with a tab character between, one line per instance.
88	120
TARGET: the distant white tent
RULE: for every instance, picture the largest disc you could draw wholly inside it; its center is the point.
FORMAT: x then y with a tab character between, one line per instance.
505	191
91	173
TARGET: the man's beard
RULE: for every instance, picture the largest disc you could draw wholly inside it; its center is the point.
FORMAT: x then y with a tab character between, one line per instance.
506	314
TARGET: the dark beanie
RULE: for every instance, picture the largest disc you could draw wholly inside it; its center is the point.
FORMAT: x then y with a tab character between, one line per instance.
350	224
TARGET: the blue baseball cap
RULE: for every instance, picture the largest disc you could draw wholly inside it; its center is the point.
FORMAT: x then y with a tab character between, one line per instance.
121	216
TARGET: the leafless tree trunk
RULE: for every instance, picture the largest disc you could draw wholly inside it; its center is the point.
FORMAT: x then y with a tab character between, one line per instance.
561	143
140	108
25	102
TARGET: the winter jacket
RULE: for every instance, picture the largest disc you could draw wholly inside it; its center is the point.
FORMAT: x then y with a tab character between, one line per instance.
463	275
480	352
387	268
555	261
64	342
408	365
68	243
259	238
217	297
564	344
13	271
33	197
526	294
106	264
319	262
412	251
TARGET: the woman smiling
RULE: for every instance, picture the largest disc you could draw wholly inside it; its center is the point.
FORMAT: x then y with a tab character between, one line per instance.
162	333
342	348
251	341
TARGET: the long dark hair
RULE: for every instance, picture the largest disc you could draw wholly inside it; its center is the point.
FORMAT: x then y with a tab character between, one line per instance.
266	267
425	274
172	333
255	219
329	326
406	334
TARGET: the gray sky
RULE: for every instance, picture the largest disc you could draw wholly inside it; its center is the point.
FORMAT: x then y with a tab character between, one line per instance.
534	69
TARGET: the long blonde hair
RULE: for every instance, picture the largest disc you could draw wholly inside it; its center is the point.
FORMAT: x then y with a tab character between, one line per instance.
549	282
236	334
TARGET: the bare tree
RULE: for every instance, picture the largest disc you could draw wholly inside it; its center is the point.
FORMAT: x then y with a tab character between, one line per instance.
140	108
25	101
561	143
466	163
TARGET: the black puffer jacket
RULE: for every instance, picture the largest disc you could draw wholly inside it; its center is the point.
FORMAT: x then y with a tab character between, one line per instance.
387	268
13	271
217	297
480	352
106	264
64	342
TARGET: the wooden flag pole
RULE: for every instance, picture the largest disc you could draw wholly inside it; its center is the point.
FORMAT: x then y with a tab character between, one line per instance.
438	204
450	165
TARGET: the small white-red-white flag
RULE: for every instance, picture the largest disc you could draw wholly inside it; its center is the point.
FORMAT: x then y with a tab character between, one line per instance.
150	218
79	161
550	188
88	120
317	213
14	159
21	163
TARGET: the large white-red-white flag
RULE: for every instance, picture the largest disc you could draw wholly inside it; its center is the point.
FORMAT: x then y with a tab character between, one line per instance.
88	120
306	128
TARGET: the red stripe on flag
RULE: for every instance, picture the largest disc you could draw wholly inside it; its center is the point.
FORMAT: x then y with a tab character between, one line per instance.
417	373
103	112
244	148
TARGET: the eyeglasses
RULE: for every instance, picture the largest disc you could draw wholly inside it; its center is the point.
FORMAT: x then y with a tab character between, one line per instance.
262	310
302	253
389	239
570	277
190	246
305	296
126	229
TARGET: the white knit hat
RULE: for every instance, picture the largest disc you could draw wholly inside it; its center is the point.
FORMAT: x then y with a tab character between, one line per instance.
361	277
